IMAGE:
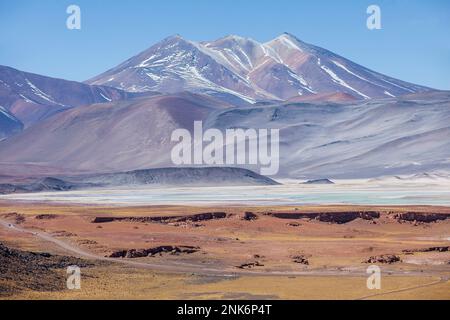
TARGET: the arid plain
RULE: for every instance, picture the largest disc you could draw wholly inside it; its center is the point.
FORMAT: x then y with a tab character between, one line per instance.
228	252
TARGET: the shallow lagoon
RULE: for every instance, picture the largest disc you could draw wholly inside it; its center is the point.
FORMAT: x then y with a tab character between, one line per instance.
291	193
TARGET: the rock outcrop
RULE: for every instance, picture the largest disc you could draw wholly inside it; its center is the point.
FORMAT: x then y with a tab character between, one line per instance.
250	265
385	258
139	253
17	217
164	219
46	216
431	249
249	216
421	217
331	217
301	259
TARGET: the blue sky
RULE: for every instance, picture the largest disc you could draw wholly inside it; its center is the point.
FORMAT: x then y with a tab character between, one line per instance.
414	44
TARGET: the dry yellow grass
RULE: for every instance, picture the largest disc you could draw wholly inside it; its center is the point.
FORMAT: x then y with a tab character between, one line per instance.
127	283
226	243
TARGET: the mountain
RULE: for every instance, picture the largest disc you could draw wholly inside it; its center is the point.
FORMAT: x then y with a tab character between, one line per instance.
337	119
207	176
366	139
281	69
175	65
109	137
41	185
362	139
32	98
9	124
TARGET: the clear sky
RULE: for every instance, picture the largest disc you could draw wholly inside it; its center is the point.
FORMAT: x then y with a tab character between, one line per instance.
413	45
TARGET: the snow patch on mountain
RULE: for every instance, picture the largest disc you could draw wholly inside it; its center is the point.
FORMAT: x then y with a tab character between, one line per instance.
40	93
389	94
105	97
341	82
7	114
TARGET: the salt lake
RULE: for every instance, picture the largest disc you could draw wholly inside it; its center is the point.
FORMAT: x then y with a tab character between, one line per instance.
355	192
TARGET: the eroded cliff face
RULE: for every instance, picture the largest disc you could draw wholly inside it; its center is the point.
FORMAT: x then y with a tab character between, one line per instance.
331	217
164	219
421	217
348	216
139	253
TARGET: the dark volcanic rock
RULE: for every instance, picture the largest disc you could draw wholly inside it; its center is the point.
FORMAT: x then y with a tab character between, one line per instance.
106	219
18	217
249	216
250	265
331	217
421	217
139	253
203	216
431	249
164	219
293	224
301	259
386	258
339	218
46	216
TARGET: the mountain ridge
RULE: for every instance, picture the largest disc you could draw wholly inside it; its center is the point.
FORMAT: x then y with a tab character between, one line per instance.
280	69
32	97
362	139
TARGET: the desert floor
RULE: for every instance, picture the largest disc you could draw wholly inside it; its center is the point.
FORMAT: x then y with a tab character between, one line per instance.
239	253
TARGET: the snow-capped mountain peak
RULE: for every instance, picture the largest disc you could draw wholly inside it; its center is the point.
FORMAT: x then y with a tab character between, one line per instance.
288	41
281	69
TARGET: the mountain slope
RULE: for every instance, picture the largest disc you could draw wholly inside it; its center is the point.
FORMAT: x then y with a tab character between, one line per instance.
326	72
207	176
32	98
175	65
109	137
9	124
281	69
406	135
357	140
